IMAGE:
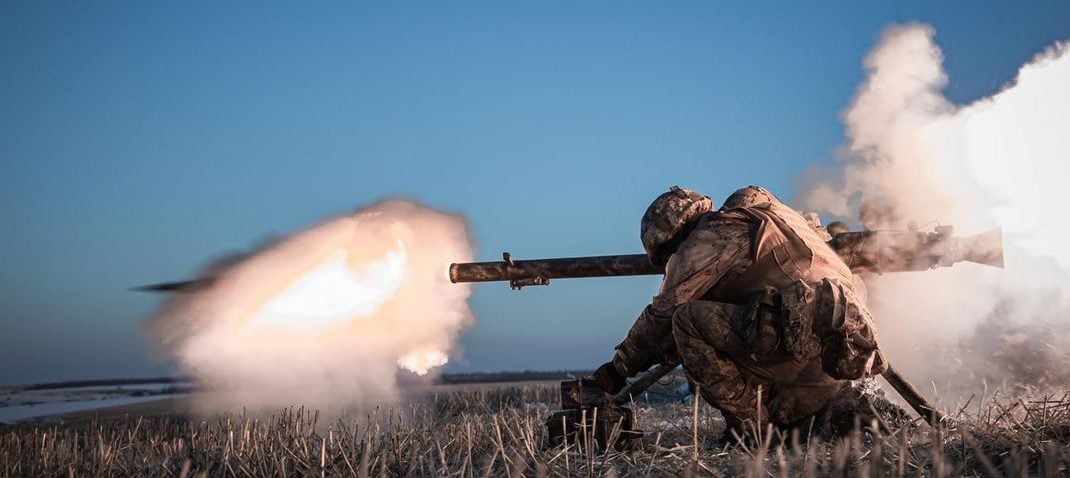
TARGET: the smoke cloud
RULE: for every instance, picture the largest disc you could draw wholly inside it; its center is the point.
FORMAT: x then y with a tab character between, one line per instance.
999	161
328	318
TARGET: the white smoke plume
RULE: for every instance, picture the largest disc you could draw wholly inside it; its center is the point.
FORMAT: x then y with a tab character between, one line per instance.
999	161
326	318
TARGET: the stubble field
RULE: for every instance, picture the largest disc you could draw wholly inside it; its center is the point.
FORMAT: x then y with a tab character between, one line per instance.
498	430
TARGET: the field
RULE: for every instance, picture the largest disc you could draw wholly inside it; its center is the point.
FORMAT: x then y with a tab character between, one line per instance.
498	430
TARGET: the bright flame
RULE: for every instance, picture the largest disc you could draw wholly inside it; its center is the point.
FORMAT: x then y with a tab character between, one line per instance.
420	362
327	317
334	292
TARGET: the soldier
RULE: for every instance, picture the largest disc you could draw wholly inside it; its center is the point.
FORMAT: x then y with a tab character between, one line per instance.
762	313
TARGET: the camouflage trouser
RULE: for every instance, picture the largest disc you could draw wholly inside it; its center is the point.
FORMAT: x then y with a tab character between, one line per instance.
731	352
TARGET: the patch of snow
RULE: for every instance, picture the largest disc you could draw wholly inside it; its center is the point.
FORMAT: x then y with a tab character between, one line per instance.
13	414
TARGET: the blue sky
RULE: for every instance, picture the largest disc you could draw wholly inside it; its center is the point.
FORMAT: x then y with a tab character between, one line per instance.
140	139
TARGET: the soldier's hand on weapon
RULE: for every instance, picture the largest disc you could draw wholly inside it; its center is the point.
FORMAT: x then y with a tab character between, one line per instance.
609	379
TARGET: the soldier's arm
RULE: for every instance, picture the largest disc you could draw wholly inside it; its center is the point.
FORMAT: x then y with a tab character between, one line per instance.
711	250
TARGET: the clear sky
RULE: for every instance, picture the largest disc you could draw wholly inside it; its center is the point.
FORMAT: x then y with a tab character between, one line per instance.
140	139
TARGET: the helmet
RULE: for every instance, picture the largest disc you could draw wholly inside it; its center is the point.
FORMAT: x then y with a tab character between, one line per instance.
667	216
748	197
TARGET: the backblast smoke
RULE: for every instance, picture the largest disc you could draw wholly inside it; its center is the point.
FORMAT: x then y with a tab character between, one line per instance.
913	156
327	318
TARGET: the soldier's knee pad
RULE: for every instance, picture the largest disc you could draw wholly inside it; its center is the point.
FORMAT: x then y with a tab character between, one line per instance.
694	318
687	314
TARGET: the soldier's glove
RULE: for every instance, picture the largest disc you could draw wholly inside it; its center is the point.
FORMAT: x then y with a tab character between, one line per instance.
609	379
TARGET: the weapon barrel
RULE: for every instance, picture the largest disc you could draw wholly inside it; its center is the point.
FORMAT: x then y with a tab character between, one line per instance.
564	268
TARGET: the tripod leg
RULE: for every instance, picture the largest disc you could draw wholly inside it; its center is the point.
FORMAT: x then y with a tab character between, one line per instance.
927	411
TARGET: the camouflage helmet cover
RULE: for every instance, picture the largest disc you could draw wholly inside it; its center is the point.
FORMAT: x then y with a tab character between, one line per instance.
749	196
669	214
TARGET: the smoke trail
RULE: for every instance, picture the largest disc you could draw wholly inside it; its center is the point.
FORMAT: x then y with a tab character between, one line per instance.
999	161
327	317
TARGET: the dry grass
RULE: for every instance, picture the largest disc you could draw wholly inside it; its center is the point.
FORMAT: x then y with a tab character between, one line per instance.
487	431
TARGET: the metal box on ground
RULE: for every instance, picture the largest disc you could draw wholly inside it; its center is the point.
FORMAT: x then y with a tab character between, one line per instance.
588	419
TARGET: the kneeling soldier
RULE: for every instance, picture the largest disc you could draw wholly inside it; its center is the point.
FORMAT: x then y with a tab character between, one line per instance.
763	314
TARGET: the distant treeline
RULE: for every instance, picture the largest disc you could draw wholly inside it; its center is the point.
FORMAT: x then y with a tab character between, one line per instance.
113	382
449	378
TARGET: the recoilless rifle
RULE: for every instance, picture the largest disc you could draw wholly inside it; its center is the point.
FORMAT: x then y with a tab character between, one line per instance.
589	416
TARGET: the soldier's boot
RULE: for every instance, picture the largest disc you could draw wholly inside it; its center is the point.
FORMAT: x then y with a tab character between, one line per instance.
703	335
855	405
863	404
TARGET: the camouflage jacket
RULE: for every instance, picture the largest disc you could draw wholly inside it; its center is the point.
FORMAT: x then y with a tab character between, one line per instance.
730	254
